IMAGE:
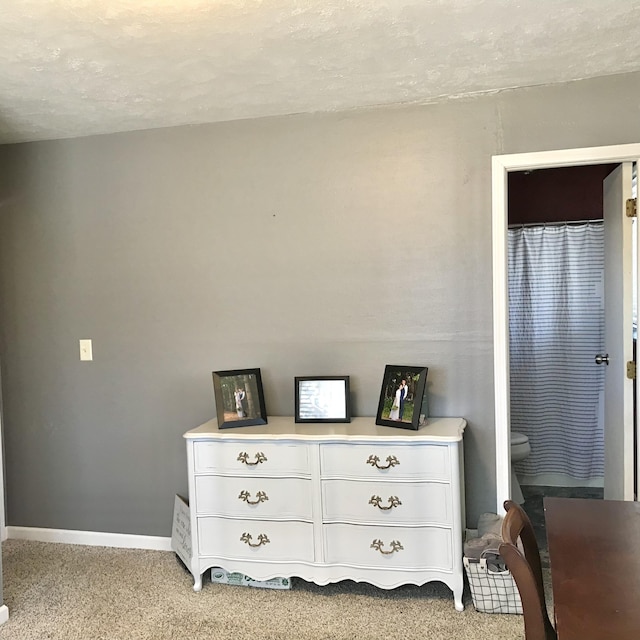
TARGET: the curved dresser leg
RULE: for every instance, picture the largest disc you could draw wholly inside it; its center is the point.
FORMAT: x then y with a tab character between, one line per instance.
457	598
197	582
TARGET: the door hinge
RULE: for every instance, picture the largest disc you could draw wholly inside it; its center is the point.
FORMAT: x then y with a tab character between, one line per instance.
631	370
632	208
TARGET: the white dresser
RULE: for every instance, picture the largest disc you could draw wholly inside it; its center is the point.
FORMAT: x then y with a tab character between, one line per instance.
329	502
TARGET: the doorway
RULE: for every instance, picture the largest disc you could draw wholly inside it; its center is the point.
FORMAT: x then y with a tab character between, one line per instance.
501	167
556	325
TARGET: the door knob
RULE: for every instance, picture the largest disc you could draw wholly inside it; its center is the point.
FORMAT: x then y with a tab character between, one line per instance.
602	359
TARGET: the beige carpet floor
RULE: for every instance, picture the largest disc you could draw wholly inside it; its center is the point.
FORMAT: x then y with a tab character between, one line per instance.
73	592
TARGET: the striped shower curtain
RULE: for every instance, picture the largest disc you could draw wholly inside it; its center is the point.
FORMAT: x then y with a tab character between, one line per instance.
556	326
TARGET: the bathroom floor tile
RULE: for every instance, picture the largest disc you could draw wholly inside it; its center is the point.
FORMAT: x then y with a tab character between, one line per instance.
533	496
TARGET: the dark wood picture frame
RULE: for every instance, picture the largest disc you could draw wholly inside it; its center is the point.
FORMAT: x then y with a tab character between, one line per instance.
322	399
399	408
239	398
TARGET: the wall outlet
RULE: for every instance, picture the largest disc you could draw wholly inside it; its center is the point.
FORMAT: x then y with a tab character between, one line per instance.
86	351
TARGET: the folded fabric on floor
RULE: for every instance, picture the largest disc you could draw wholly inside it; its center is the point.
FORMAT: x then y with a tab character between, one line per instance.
489	523
487	543
474	548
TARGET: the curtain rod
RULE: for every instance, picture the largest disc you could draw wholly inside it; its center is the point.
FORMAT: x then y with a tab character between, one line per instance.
519	225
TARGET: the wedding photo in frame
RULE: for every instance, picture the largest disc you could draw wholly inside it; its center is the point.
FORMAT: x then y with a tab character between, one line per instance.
401	396
239	398
322	399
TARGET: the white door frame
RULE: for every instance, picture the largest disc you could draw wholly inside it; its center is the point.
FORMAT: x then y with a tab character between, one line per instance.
500	167
4	611
3	528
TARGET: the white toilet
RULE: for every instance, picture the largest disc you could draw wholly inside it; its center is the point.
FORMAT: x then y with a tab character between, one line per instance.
520	449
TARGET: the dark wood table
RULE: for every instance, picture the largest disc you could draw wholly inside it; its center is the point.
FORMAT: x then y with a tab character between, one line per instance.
594	552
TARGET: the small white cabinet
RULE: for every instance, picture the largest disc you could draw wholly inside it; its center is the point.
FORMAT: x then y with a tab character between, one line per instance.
329	502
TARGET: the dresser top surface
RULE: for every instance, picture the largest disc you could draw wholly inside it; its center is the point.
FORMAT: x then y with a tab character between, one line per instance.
359	429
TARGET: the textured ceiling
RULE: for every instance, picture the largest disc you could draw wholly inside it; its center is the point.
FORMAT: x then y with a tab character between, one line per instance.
78	67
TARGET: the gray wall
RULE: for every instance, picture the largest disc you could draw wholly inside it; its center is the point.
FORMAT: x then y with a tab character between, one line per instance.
312	244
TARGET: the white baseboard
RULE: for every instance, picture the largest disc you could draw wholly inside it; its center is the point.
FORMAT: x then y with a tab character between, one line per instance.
92	538
4	614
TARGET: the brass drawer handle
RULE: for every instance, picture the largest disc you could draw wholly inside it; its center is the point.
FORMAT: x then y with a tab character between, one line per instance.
244	458
393	501
261	496
395	546
392	461
262	539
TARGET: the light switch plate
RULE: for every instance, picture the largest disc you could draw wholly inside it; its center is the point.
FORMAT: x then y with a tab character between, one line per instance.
86	350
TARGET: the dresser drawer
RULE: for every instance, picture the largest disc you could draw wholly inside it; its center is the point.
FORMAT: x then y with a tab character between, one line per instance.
259	540
264	498
389	547
251	458
386	502
411	461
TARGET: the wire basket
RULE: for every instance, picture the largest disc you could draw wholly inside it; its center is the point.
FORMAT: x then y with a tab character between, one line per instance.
492	586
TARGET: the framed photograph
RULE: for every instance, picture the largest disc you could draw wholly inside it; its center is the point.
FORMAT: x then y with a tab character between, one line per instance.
239	398
322	399
401	396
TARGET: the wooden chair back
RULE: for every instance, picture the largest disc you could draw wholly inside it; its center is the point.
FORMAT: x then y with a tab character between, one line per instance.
526	570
